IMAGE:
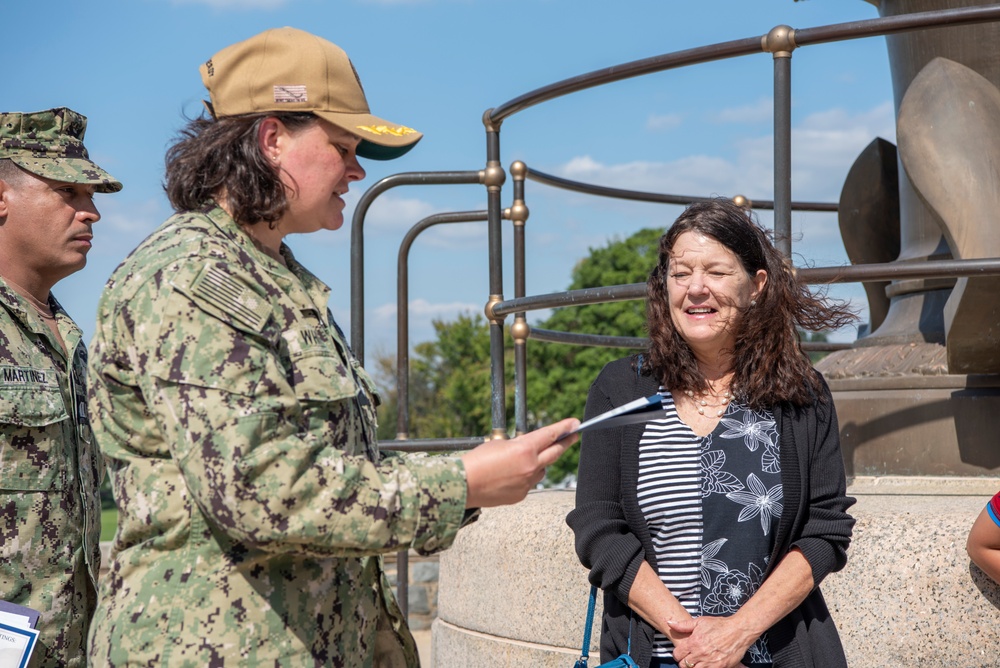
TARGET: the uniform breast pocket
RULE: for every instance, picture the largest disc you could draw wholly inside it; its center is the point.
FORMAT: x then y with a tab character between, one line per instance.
318	372
33	453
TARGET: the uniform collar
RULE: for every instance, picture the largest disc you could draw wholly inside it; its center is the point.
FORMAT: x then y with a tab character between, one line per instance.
23	311
317	290
235	233
14	302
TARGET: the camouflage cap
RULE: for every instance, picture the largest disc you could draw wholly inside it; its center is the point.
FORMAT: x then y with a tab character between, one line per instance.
50	144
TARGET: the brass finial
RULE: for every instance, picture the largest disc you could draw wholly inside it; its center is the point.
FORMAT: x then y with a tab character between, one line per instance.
518	212
520	330
493	176
780	41
490	305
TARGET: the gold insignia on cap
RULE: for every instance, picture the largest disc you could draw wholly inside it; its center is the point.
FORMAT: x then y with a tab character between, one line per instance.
397	131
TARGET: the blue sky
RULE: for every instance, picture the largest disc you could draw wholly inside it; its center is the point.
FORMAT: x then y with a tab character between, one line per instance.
131	66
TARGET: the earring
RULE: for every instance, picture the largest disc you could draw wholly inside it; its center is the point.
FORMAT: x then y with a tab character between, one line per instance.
753	302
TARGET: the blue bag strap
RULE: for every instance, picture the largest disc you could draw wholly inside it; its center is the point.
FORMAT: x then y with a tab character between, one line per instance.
588	627
585	650
628	648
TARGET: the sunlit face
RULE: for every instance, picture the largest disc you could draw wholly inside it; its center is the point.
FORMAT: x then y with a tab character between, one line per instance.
708	288
47	227
317	164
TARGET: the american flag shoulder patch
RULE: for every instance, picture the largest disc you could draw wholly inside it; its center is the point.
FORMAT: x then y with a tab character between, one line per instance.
233	296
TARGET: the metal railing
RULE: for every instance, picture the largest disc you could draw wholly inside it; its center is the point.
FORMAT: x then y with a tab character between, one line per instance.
781	42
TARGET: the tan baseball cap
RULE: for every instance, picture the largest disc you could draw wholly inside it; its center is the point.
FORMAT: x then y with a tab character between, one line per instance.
288	70
50	143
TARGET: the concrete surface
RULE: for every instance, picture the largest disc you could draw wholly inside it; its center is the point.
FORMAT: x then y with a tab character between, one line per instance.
512	592
423	639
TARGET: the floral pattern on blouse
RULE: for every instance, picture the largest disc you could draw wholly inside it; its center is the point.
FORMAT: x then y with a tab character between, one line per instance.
742	501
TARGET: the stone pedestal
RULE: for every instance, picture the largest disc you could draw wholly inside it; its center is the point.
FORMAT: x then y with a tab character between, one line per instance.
902	413
512	592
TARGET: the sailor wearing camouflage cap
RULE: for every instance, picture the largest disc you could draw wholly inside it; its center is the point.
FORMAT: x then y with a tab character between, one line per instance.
51	470
50	144
239	428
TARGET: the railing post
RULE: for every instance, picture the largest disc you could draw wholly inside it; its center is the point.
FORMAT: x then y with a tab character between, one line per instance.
519	330
357	341
780	42
403	309
495	177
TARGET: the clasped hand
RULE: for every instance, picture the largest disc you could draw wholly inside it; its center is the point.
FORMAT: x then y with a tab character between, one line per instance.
709	642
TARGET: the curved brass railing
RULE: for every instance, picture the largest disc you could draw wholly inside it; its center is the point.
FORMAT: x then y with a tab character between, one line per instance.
781	41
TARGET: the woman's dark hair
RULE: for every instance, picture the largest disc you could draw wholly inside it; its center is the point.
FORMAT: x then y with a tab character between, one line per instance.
211	157
769	366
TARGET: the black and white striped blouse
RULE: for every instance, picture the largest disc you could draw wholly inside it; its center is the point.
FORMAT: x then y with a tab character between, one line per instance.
711	504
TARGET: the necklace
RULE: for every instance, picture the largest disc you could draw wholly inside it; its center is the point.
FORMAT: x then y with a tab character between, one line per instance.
43	310
701	402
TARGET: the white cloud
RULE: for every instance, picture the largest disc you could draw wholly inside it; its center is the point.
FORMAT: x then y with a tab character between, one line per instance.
392	3
123	225
758	112
690	175
824	146
381	321
393	214
663	122
393	217
129	218
425	310
235	4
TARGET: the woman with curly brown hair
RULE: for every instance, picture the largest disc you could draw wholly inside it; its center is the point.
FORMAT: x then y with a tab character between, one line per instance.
710	527
239	429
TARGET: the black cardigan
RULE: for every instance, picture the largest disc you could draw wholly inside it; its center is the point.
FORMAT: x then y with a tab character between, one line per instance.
612	538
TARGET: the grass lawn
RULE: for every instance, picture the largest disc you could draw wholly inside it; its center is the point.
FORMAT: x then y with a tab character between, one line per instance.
109	522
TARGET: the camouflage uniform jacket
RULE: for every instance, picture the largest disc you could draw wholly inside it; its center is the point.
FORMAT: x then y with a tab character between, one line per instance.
50	514
240	436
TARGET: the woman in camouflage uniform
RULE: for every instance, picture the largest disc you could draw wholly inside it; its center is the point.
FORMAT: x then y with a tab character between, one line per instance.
238	426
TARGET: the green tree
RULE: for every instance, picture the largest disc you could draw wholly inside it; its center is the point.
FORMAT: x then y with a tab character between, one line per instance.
814	337
450	391
559	376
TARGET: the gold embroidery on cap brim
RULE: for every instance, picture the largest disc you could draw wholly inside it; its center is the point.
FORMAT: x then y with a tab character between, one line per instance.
397	131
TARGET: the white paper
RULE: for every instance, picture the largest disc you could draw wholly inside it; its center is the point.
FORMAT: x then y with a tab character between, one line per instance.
640	410
16	645
18	615
630	407
20	621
